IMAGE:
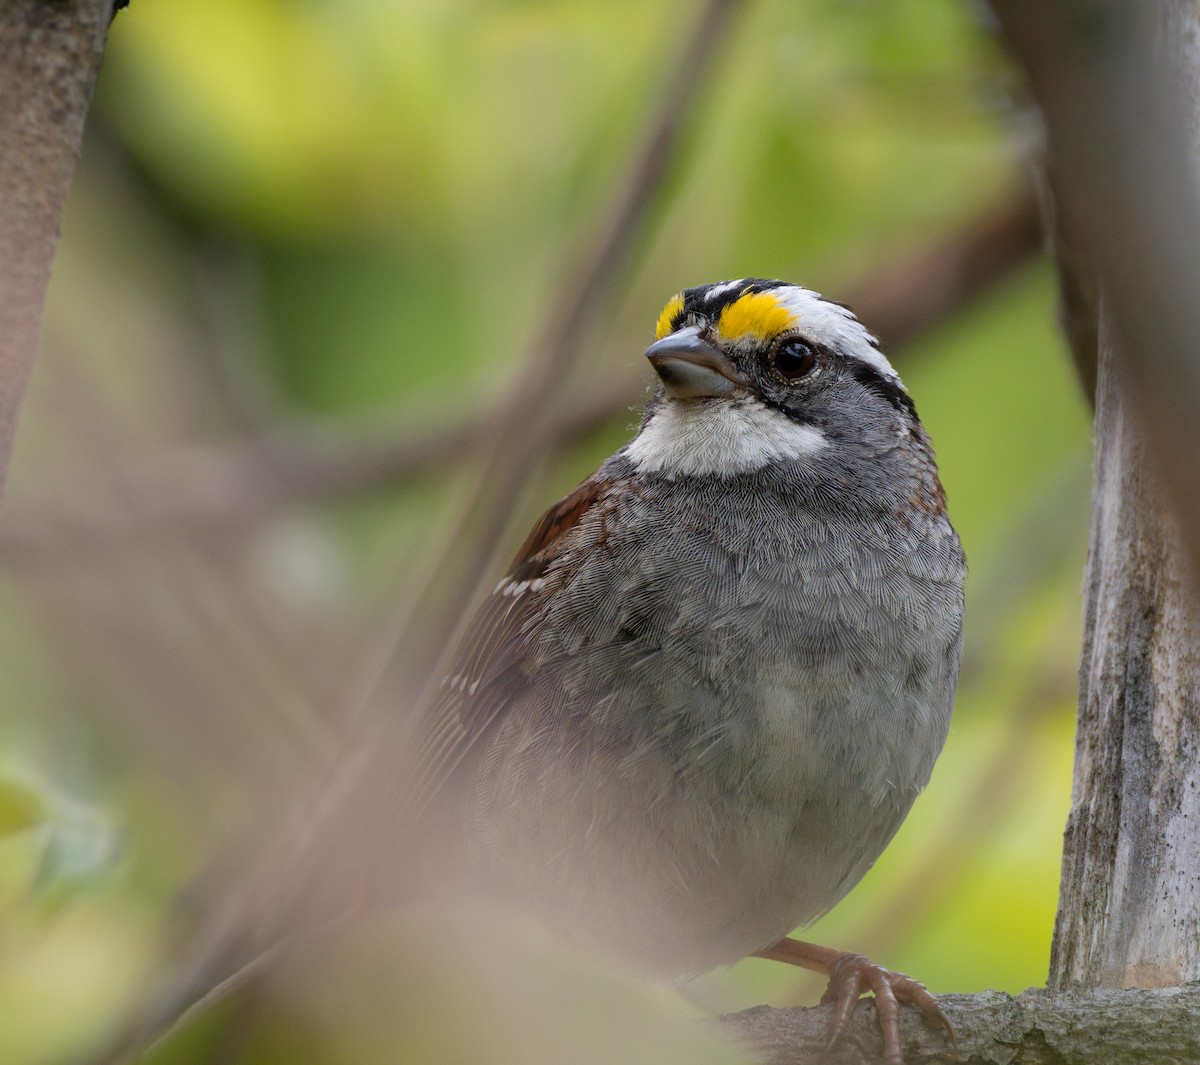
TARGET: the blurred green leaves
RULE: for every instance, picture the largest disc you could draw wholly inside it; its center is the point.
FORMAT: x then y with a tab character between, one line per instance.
55	844
342	120
417	172
21	807
252	111
77	946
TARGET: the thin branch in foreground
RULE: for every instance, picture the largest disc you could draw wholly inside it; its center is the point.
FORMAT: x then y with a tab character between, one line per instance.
522	425
277	890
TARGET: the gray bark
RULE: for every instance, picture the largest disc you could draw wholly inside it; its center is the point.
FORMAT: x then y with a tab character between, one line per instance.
1129	912
1033	1028
50	52
1118	85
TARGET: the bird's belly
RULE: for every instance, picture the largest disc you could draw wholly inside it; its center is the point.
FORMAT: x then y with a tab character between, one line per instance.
803	798
692	845
713	749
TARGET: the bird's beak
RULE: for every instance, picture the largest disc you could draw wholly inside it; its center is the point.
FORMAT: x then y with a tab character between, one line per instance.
691	368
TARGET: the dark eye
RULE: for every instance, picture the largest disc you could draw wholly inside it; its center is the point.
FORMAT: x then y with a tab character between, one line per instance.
794	358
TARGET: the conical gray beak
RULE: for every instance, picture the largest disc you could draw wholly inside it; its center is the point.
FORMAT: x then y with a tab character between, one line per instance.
691	368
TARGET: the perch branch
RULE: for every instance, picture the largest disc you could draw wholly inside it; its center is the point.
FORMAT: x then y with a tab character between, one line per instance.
1033	1028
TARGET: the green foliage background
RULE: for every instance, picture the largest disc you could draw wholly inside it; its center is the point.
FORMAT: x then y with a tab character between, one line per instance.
382	195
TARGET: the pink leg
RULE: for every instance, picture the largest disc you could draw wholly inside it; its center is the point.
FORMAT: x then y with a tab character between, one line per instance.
849	976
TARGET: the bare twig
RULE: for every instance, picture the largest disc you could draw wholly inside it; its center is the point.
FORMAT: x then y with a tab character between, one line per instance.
523	424
236	374
205	489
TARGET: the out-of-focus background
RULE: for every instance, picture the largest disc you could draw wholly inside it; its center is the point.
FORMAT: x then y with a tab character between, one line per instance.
310	249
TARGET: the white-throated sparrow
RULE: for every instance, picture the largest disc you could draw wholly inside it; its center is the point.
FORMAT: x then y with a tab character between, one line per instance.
719	672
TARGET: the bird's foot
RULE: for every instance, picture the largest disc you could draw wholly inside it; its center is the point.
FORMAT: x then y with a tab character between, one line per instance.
852	975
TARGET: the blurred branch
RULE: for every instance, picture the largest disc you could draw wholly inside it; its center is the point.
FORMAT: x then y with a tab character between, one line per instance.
207	487
161	615
1032	1028
50	55
1078	286
521	428
247	924
229	291
911	295
1125	180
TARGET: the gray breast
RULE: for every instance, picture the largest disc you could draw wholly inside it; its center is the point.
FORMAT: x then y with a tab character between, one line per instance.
731	710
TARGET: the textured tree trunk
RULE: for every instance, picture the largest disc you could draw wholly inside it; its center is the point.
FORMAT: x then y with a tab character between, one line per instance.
50	53
1129	912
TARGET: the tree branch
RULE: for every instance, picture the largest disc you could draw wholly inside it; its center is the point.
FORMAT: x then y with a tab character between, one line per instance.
209	487
50	55
1033	1028
523	419
905	298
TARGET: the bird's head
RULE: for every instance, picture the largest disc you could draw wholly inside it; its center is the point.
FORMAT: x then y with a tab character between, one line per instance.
753	372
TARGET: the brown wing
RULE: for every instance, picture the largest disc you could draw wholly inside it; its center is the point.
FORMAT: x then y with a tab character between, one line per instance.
487	675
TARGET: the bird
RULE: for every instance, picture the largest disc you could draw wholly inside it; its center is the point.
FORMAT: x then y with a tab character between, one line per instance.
706	693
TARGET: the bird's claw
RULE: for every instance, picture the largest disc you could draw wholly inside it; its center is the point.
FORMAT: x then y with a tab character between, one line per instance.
851	975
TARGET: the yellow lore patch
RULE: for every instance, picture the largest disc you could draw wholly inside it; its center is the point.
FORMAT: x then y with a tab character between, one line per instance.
667	318
758	316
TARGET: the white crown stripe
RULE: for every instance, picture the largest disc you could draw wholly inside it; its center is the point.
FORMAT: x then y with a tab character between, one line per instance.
725	286
831	322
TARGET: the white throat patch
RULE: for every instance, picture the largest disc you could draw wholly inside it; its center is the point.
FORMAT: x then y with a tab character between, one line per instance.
719	437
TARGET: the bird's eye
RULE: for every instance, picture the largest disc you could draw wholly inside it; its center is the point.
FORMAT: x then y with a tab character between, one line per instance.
794	358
